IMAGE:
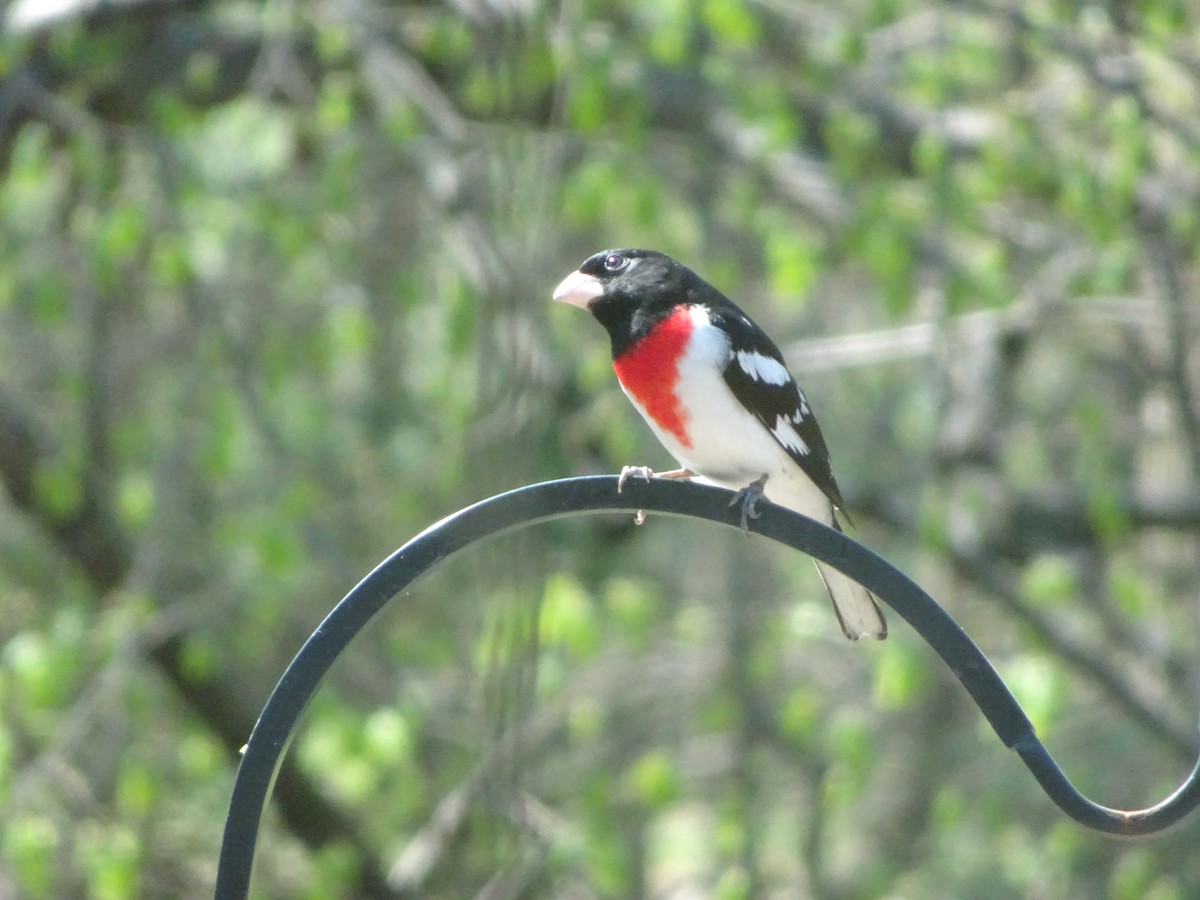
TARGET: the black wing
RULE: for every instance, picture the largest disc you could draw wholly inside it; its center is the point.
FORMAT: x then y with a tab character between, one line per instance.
768	400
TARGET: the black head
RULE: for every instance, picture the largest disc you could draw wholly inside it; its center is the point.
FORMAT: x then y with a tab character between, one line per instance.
629	290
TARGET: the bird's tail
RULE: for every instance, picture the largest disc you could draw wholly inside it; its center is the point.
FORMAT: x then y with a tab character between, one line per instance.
857	611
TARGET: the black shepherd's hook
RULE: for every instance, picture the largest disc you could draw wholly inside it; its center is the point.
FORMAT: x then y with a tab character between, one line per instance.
555	499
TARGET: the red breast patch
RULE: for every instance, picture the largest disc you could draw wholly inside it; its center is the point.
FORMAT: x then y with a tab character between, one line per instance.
649	371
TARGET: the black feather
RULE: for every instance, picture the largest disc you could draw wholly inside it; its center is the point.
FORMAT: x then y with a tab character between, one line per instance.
769	401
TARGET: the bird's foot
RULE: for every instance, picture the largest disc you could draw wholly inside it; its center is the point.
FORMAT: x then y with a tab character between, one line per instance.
748	497
627	472
647	473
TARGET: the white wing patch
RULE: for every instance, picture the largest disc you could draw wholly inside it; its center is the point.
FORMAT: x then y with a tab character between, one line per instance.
762	368
786	434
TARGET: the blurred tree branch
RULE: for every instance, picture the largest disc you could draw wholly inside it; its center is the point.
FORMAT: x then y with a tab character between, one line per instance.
90	536
87	531
1097	666
1049	527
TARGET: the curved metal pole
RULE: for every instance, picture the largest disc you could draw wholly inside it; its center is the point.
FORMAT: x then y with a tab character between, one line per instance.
572	496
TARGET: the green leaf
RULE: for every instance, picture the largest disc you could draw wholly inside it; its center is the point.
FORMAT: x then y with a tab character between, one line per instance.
731	21
110	854
135	499
1037	685
900	675
634	606
387	737
1049	580
792	262
734	884
30	844
568	617
654	779
800	714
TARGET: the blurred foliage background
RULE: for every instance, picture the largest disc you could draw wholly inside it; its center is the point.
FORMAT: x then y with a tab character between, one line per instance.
274	297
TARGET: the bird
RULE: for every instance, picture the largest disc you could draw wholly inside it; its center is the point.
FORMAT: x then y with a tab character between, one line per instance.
717	393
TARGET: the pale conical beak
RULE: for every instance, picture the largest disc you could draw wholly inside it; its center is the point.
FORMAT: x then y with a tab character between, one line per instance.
578	289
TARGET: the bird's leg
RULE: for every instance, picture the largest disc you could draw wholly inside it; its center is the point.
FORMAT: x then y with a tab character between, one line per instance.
646	473
748	497
676	473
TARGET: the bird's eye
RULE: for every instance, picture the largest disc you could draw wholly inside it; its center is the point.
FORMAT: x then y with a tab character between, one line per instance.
615	262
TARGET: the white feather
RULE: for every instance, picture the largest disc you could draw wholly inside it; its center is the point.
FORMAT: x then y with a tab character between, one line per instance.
786	435
762	368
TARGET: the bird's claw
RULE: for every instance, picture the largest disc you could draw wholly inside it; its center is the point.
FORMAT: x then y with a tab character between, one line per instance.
748	497
627	472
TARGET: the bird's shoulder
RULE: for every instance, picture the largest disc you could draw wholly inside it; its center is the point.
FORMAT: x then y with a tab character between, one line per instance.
750	348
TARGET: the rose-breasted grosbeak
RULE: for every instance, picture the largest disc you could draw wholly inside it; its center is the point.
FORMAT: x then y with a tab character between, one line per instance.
714	389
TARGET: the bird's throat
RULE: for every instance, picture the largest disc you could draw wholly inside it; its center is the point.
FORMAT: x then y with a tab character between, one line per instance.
649	371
